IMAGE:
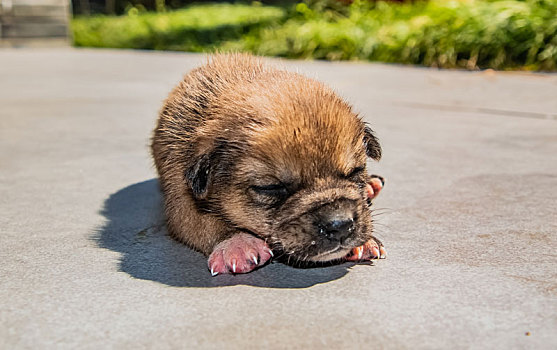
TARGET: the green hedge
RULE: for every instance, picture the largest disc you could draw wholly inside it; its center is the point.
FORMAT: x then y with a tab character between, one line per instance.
466	34
196	28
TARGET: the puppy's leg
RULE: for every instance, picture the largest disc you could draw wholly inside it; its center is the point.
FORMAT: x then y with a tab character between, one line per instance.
229	250
240	253
372	249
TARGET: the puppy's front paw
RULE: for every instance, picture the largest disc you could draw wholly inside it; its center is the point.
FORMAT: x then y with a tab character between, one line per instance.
239	254
374	186
372	249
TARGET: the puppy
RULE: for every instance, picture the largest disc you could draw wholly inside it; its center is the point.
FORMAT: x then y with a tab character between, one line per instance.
256	162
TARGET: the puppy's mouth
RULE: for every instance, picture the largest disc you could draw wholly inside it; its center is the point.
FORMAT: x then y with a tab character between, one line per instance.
336	253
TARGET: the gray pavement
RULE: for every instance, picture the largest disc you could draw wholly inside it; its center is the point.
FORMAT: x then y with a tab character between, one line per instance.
469	216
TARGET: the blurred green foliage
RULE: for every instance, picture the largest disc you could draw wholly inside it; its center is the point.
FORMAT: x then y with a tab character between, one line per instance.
465	34
195	28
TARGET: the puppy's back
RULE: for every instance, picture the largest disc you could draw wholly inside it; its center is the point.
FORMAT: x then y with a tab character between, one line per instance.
185	109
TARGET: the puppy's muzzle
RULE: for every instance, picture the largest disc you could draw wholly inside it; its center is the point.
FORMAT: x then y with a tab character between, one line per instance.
336	221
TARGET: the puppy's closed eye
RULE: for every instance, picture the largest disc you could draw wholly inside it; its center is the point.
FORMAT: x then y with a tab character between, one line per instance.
271	190
355	174
268	195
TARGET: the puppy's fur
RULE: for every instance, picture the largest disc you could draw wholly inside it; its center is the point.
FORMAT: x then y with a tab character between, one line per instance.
244	148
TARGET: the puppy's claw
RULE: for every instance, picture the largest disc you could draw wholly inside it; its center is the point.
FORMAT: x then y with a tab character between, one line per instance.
374	253
254	259
383	253
271	252
360	252
234	266
213	273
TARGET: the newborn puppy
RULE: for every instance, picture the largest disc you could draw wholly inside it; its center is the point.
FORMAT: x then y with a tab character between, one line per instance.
255	162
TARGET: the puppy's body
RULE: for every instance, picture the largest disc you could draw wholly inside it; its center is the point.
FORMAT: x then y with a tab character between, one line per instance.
251	157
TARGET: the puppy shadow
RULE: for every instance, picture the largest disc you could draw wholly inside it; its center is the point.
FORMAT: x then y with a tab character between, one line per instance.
135	227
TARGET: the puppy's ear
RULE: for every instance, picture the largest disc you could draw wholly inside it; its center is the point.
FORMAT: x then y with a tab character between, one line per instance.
198	175
373	149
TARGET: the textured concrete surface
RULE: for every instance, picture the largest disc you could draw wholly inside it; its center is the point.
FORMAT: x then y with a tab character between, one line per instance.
468	214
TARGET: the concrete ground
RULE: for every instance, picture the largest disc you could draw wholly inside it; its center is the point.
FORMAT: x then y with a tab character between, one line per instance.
469	216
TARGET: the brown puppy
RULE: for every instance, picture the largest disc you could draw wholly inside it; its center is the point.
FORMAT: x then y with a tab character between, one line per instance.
255	161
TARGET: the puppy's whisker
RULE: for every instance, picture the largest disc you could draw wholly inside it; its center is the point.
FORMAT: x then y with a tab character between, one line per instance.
373	211
382	209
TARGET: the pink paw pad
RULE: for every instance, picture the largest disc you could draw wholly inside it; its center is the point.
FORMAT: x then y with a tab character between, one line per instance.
239	254
374	186
369	251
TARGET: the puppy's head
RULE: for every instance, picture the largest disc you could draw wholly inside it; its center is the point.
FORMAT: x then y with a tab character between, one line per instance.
293	173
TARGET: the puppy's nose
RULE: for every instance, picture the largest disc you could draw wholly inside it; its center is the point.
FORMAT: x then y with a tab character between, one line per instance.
338	229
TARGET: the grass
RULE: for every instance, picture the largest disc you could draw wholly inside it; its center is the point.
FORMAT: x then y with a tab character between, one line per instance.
196	28
450	34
